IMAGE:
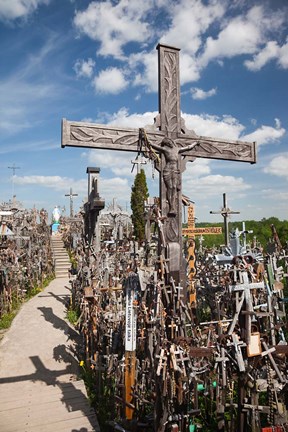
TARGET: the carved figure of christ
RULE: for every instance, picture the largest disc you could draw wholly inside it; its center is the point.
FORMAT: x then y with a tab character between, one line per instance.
171	173
168	130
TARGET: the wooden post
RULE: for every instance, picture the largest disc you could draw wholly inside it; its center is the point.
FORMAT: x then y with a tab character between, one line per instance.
130	342
191	231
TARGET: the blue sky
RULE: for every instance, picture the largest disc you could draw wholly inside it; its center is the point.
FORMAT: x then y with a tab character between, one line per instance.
96	61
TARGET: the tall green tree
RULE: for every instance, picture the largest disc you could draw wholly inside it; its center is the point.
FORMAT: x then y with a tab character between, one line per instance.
139	195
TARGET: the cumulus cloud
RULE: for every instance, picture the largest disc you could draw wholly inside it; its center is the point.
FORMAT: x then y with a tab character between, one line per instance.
266	134
124	119
114	25
226	127
57	183
278	166
198	168
116	187
13	9
190	19
244	34
109	188
118	162
111	80
84	68
145	65
211	185
201	94
271	51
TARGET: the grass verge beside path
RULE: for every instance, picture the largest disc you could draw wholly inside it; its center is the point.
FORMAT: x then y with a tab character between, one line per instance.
7	318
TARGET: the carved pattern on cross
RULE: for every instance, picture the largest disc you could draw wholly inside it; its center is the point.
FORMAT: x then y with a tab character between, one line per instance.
127	140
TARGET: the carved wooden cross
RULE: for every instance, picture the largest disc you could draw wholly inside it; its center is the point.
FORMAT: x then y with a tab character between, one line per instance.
168	132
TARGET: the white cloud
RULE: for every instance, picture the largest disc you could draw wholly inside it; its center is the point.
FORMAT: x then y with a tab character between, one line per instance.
111	80
57	183
114	25
225	127
124	119
13	9
266	134
269	52
116	187
84	68
190	20
189	68
120	163
198	93
278	166
244	34
283	55
212	185
148	75
198	168
114	160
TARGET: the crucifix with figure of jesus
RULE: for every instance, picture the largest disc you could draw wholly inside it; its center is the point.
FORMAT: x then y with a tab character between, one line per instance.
175	146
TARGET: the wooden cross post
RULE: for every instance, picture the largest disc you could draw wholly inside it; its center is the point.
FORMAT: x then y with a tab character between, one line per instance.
225	212
175	145
191	231
130	343
71	195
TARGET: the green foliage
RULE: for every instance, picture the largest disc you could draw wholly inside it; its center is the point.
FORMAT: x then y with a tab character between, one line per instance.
138	197
72	259
101	396
7	318
261	231
32	292
72	316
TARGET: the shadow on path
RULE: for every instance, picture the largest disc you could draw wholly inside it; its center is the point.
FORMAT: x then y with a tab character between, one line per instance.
58	323
63	298
73	397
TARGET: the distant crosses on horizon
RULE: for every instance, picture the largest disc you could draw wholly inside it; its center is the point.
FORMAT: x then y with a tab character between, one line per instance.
71	195
14	168
225	212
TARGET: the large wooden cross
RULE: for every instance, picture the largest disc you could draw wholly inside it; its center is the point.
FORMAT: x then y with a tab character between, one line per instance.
170	139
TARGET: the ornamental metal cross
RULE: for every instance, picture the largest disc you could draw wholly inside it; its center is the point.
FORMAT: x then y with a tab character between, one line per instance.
170	139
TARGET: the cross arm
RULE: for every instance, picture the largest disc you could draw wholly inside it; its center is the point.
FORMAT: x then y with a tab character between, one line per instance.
212	148
91	135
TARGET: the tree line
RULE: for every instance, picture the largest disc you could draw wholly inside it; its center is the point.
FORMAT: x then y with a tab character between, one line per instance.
259	232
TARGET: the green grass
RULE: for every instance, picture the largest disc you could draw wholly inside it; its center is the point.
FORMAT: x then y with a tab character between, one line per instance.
7	318
72	316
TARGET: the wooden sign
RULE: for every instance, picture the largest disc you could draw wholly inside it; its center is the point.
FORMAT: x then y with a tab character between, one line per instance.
130	343
130	331
254	347
202	231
